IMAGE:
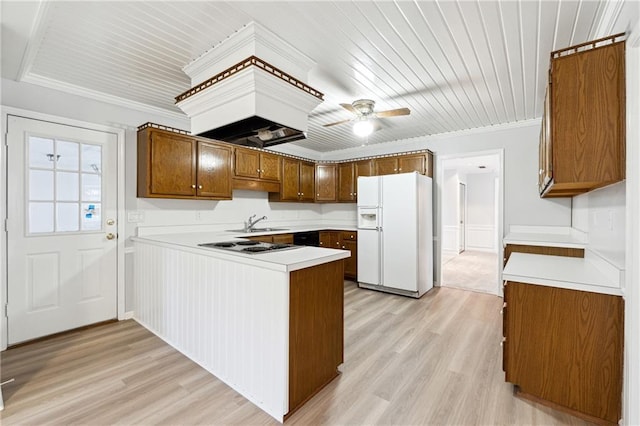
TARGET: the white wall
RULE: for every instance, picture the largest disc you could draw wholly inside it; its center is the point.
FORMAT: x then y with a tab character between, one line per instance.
450	215
481	212
631	408
601	213
522	204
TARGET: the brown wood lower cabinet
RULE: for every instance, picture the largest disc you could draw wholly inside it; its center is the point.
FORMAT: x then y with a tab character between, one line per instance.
344	240
565	348
316	324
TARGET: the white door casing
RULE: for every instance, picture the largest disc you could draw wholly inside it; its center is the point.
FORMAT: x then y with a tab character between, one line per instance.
62	210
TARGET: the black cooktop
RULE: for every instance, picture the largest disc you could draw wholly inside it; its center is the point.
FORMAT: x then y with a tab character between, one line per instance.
248	246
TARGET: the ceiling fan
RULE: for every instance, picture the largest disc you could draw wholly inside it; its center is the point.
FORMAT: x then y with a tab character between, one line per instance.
363	110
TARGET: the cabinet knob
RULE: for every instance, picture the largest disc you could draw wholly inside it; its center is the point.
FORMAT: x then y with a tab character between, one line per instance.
258	171
199	186
321	243
343	247
302	193
400	169
193	186
318	195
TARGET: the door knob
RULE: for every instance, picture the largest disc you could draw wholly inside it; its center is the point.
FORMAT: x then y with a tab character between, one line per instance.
110	221
111	236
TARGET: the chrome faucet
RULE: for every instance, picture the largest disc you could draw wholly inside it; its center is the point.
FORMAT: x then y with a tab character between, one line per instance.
249	224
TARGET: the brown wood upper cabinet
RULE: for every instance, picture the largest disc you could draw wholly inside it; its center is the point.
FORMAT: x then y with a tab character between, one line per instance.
326	183
421	163
584	145
565	347
348	174
256	164
172	165
298	181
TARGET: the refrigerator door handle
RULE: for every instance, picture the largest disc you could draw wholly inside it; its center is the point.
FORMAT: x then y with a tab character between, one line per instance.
381	257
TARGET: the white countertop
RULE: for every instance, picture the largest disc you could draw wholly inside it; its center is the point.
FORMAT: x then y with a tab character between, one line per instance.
547	236
285	260
585	274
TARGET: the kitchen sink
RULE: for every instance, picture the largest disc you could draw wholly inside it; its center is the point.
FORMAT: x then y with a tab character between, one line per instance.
257	230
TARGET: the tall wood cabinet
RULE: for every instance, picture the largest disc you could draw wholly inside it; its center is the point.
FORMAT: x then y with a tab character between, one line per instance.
565	348
582	142
326	188
172	165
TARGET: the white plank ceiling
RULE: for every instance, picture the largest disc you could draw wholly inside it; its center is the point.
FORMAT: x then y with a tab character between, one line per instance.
456	64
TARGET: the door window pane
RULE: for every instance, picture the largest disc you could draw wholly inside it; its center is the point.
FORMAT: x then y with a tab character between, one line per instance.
91	187
67	186
91	158
91	217
40	185
68	155
41	152
67	217
40	217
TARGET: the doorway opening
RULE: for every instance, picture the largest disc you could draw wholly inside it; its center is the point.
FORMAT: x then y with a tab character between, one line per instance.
470	205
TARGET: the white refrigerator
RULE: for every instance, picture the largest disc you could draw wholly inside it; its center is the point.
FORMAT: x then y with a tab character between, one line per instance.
395	233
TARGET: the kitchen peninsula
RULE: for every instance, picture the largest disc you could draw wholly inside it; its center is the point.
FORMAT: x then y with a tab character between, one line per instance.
270	325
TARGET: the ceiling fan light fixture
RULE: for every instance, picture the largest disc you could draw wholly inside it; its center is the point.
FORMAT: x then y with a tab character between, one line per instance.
363	128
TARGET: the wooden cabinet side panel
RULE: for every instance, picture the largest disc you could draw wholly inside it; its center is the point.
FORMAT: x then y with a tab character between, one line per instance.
144	166
316	324
588	116
214	170
351	263
566	347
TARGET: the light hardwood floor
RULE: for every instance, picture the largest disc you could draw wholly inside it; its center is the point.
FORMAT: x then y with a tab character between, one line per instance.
472	270
436	360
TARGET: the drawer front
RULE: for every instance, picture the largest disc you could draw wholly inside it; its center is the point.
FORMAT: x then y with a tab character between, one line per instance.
349	236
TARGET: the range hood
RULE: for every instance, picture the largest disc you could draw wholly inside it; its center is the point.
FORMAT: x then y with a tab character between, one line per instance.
246	92
256	132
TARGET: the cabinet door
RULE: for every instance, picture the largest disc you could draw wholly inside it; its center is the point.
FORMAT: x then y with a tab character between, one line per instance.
214	170
290	179
346	191
363	168
386	166
325	182
565	346
325	239
269	166
412	163
172	164
307	181
351	263
262	238
247	163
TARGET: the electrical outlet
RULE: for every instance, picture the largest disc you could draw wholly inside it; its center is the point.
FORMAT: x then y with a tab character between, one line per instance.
135	217
198	216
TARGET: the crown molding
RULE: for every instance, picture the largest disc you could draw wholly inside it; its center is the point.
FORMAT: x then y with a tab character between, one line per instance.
36	36
101	96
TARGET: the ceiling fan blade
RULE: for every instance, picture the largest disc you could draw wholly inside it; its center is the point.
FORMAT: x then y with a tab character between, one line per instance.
349	108
393	112
336	123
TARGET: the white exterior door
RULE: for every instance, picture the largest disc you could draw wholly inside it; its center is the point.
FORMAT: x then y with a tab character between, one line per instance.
62	230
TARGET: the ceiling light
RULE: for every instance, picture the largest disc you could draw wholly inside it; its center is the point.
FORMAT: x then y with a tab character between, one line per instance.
363	128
